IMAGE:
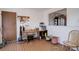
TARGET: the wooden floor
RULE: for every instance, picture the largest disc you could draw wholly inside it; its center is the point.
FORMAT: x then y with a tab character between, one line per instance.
35	45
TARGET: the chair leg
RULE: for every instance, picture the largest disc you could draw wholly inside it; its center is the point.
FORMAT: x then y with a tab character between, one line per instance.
77	48
67	48
63	46
70	49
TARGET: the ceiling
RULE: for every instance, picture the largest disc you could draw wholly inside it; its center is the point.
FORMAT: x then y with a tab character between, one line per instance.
35	9
40	9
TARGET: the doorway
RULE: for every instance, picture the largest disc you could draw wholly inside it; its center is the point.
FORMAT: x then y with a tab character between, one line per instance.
9	25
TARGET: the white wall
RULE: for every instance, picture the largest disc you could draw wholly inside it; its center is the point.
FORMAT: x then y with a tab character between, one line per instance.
73	16
35	16
63	31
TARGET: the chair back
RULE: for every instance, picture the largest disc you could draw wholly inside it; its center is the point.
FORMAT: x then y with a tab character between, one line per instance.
74	37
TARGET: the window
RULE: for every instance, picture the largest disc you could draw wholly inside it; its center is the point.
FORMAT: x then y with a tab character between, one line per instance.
58	18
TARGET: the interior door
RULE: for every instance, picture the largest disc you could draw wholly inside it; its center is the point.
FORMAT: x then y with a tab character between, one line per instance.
9	25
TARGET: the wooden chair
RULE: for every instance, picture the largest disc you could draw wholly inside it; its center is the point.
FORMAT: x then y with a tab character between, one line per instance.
73	40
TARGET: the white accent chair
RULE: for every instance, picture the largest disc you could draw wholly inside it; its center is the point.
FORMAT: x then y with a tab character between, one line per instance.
73	40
